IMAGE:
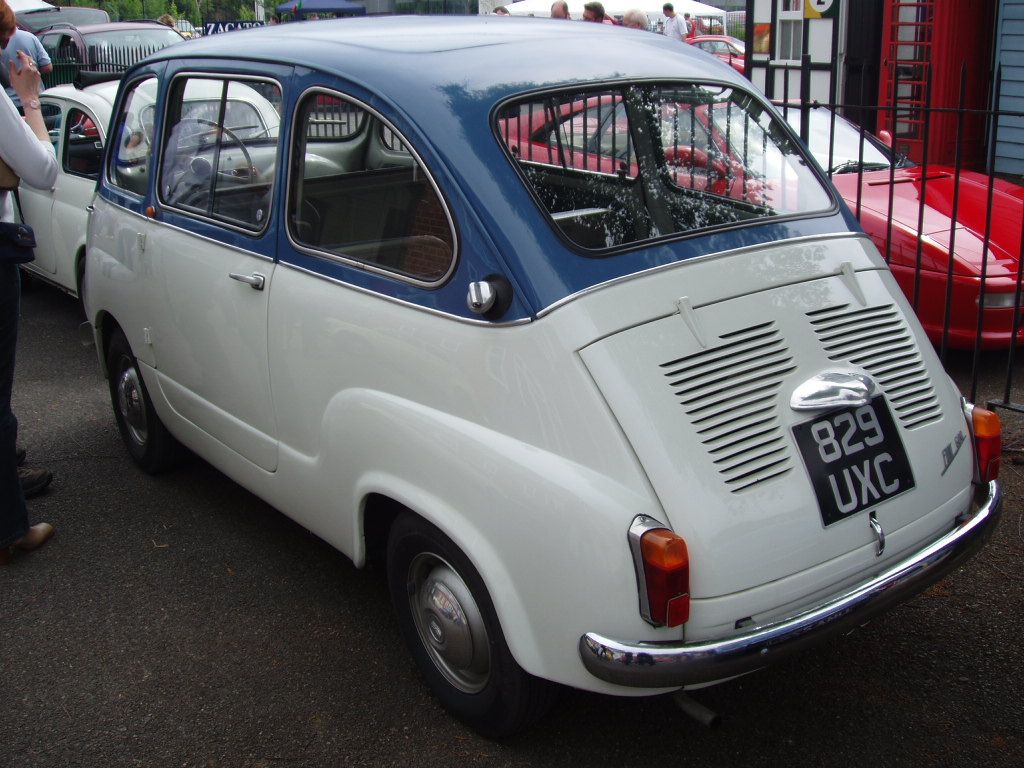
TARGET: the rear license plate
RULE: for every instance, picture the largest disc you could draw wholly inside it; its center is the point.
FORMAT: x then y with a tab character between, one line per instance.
855	458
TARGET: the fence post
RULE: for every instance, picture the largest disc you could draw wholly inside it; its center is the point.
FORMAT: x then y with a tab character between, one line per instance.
928	108
956	207
805	96
988	236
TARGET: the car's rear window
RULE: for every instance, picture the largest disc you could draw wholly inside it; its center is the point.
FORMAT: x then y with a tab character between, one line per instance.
617	166
154	39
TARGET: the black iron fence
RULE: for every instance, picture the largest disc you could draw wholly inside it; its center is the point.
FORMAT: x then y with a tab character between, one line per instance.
951	231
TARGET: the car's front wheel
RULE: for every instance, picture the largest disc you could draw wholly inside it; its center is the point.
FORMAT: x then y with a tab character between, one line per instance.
151	446
450	625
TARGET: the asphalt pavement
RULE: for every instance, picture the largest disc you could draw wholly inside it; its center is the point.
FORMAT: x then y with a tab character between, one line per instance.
180	621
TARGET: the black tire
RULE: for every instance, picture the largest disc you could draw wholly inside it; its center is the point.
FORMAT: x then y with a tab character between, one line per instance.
484	687
80	281
148	442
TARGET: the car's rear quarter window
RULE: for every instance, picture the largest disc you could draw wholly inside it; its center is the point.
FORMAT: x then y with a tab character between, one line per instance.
359	194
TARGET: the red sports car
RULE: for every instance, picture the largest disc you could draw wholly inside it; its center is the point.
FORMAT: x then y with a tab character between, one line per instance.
871	177
729	49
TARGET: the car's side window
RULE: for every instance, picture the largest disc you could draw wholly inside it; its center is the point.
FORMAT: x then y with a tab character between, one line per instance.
220	149
83	149
359	193
133	135
61	47
50	43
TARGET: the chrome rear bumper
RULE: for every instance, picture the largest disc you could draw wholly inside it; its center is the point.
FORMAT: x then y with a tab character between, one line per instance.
660	665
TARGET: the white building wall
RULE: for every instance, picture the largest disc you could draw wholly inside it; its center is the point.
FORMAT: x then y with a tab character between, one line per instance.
819	47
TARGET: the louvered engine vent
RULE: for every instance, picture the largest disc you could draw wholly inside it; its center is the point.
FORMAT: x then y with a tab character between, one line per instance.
878	340
729	394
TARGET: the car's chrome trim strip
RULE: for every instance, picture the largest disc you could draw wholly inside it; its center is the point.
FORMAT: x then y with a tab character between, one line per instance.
191	233
676	264
662	665
403	302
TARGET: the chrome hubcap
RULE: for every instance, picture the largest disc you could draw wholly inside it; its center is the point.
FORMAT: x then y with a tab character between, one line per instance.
449	623
131	404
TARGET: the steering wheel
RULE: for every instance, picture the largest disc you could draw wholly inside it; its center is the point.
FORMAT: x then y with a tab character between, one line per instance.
197	174
682	156
216	127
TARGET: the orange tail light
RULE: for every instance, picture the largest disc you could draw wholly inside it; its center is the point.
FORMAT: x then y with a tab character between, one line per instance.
664	565
988	442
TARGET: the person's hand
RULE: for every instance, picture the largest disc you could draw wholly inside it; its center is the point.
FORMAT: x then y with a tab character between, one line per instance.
26	80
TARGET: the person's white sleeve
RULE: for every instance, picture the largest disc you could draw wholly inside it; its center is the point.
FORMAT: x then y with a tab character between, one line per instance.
33	160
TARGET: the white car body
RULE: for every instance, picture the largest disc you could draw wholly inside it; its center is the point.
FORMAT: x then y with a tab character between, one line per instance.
340	388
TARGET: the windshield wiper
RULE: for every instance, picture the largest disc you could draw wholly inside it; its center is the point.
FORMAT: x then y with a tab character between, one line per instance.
852	166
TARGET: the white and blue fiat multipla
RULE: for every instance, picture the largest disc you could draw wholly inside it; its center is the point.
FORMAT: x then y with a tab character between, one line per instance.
559	321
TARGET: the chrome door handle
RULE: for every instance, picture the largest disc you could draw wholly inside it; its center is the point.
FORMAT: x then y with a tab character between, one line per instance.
256	280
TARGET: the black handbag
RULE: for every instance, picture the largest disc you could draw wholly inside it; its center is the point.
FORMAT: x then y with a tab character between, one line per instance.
16	243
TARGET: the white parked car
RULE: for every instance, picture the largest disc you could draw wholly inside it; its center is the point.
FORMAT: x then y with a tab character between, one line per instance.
77	121
620	409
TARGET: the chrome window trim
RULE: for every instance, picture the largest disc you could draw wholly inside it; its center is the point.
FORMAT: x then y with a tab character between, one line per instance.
402	302
336	258
192	233
223	76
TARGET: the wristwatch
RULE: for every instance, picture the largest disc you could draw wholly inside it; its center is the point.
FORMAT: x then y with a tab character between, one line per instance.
33	103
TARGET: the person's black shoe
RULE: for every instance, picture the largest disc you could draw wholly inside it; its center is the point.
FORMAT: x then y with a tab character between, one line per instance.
19	455
33	481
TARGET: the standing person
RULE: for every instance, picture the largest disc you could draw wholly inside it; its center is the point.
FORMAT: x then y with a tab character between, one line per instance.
691	26
634	18
674	26
29	43
26	148
559	9
594	11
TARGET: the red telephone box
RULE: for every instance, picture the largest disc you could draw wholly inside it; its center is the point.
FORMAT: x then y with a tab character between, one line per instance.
931	40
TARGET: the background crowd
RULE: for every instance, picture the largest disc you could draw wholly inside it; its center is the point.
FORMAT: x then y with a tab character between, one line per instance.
674	26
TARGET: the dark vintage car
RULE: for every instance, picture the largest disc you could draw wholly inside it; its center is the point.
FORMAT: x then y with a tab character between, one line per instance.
41	18
110	46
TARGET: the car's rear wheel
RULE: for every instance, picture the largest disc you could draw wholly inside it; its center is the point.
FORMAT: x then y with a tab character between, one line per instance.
450	625
148	442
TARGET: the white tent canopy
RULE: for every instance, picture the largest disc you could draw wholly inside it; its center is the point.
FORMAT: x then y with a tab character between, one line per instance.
542	8
27	5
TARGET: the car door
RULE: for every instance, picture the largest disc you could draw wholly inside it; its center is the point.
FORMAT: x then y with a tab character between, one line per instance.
80	155
212	245
37	204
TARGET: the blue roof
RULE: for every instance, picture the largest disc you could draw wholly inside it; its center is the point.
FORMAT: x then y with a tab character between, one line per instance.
491	56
